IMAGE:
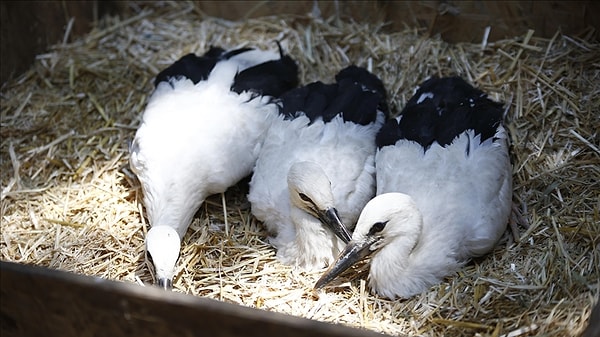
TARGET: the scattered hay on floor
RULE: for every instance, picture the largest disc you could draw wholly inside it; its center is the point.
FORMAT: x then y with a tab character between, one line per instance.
69	202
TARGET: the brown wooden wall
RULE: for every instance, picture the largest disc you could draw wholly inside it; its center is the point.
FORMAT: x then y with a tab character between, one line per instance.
456	21
28	27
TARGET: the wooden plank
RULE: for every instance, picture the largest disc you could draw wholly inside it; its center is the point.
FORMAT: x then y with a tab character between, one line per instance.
37	301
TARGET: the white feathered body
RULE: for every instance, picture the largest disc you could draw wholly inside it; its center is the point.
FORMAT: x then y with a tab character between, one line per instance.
444	190
345	151
198	139
464	194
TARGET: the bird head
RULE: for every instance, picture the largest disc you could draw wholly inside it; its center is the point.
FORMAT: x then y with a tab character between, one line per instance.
383	220
310	190
163	245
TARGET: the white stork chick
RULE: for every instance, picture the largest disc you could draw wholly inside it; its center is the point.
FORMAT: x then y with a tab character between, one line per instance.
201	133
316	169
444	189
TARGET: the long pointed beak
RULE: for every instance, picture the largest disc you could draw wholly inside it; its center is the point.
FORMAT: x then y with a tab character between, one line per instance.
354	252
165	283
332	220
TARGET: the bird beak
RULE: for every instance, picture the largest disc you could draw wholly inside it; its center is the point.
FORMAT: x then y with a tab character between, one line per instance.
354	252
332	220
165	283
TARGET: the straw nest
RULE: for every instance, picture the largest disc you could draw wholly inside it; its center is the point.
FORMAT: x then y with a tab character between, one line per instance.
69	201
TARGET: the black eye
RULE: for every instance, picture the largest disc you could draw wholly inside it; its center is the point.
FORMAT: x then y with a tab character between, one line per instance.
377	227
304	197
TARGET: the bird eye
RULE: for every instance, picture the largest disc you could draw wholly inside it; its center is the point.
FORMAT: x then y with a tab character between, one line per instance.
377	227
304	197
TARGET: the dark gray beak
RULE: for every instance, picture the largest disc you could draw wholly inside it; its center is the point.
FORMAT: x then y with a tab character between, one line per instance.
331	219
165	283
353	253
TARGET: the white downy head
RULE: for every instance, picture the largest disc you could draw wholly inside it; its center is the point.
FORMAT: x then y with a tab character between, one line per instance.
163	245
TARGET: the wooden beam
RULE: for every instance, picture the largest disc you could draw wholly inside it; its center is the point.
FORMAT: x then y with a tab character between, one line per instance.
37	301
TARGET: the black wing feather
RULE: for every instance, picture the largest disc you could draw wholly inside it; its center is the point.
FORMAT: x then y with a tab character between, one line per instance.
356	95
196	68
440	110
270	78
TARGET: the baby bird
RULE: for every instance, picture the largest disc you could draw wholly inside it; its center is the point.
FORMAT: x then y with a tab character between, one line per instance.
316	169
444	190
201	133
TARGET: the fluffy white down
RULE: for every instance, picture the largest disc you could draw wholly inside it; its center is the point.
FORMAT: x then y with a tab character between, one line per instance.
194	141
464	201
345	151
197	140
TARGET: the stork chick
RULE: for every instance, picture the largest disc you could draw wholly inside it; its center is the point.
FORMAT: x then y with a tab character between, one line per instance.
201	133
444	190
316	169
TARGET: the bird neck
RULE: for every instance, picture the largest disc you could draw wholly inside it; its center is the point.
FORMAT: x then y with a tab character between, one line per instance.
315	245
177	214
399	253
396	269
411	264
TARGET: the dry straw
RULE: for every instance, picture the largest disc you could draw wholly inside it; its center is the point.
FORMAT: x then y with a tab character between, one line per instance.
69	201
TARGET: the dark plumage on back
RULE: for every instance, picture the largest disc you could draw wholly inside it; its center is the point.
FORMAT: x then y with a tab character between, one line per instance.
271	78
366	79
440	110
357	95
310	100
196	68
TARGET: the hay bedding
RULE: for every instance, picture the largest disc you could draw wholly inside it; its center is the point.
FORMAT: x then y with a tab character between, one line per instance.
70	203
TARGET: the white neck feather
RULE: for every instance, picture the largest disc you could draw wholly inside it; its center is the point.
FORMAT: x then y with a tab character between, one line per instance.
408	262
314	247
